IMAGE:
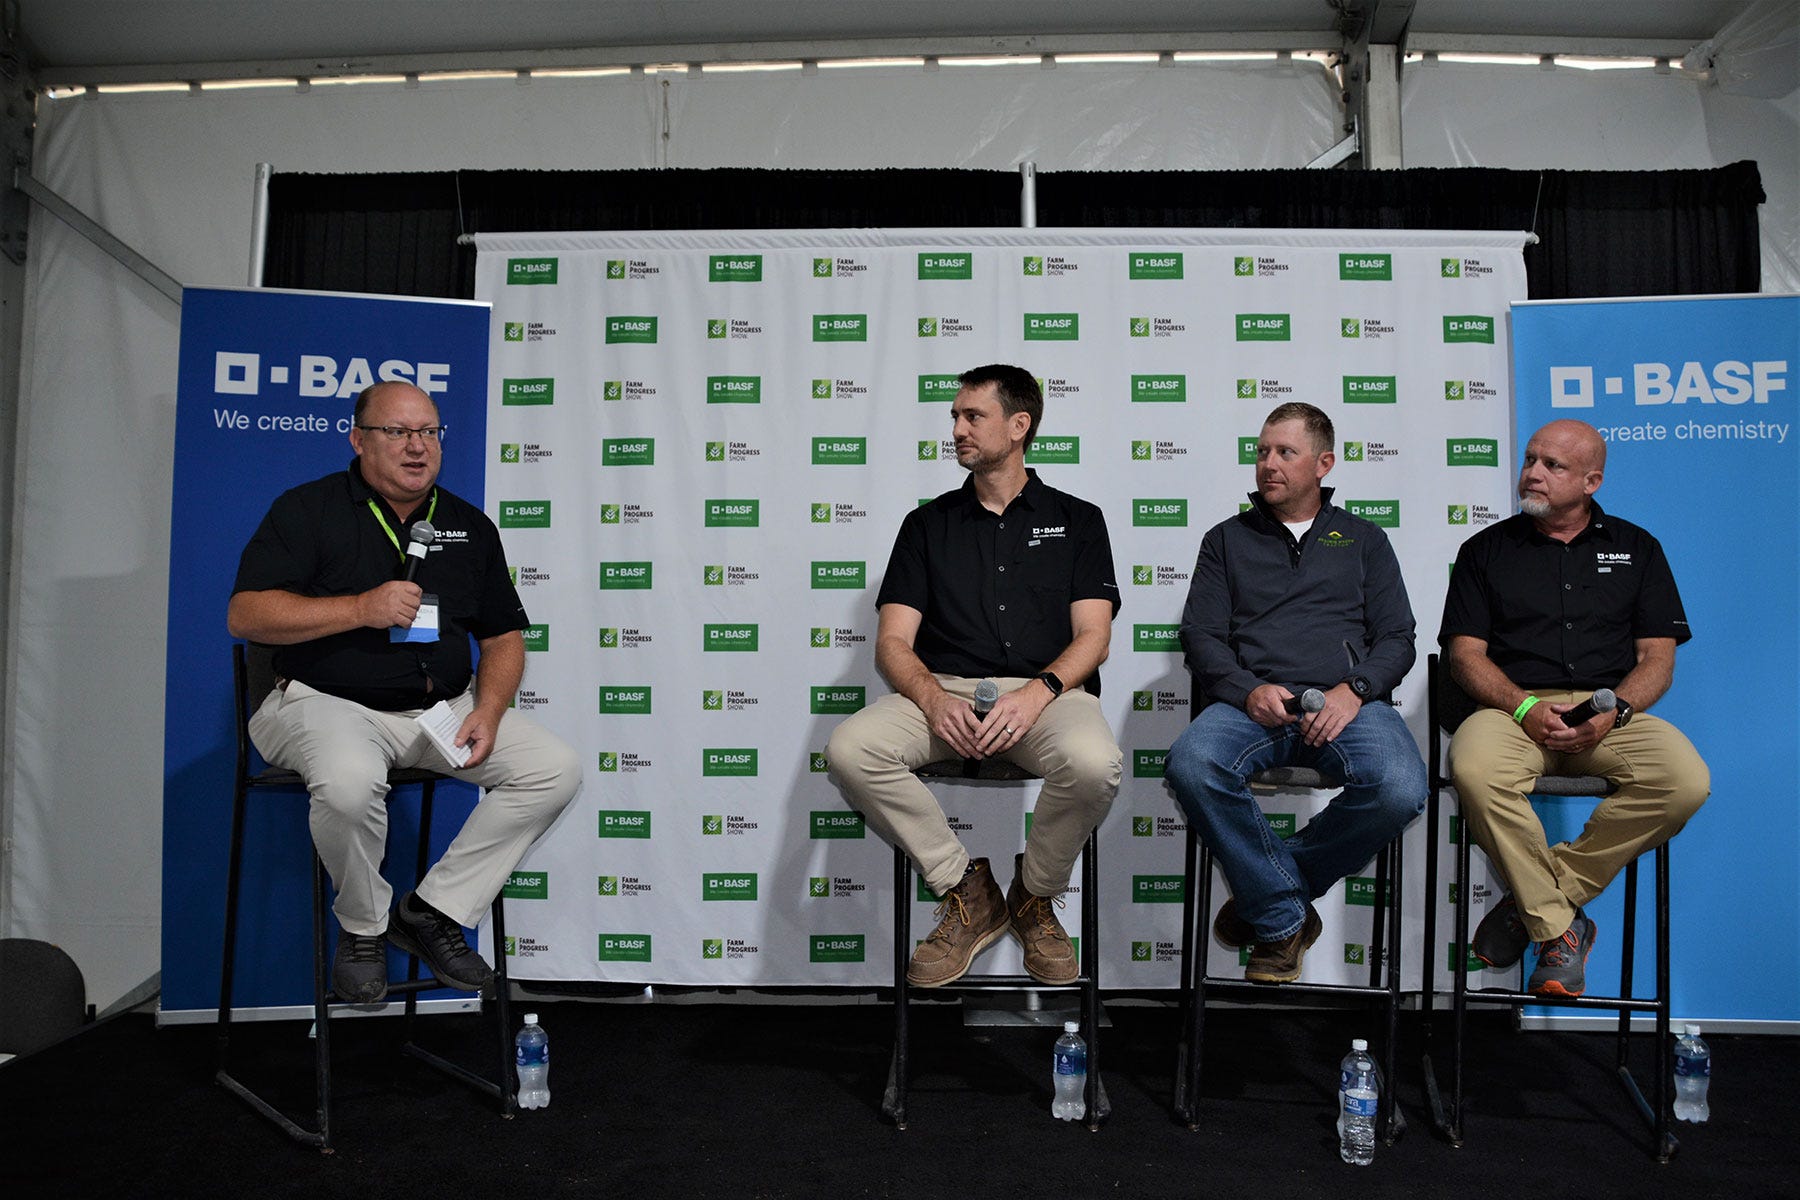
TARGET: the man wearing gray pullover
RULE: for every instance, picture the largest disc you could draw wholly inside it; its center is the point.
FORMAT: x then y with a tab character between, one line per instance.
1293	595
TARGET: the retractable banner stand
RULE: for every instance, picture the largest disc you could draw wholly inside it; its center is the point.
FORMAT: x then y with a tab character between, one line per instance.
1697	400
704	443
267	382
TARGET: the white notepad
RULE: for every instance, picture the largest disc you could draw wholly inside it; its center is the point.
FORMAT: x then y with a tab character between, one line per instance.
440	724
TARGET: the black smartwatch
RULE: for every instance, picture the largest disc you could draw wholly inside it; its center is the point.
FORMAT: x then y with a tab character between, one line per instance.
1052	682
1622	713
1362	687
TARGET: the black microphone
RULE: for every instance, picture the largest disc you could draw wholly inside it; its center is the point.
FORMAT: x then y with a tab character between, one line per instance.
1311	700
422	536
1601	701
986	692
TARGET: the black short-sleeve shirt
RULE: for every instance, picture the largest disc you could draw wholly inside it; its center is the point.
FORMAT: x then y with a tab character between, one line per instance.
1563	615
995	588
323	539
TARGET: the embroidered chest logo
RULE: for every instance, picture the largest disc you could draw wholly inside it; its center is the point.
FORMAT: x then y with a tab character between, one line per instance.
1605	562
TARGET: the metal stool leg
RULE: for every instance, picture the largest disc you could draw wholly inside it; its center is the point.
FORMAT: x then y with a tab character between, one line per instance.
1185	1056
893	1101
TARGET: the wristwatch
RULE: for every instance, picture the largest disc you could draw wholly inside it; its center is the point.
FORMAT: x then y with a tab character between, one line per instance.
1362	687
1622	713
1052	682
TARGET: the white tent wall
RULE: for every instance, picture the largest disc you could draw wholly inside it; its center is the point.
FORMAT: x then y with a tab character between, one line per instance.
171	175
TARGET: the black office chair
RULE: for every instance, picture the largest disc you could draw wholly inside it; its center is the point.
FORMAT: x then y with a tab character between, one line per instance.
1383	955
253	678
1448	706
893	1101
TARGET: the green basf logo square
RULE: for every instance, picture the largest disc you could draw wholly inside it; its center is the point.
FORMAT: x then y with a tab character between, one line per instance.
625	576
625	823
734	389
625	947
1164	389
733	514
942	265
841	327
1167	511
525	271
837	699
1385	513
727	761
836	948
1264	327
1360	890
1365	266
626	330
1148	764
1052	327
1154	265
527	885
527	391
729	637
628	452
1468	328
845	575
1370	389
1246	452
537	637
1472	452
1053	450
840	451
937	388
627	700
734	268
1158	889
524	514
828	824
1156	638
727	885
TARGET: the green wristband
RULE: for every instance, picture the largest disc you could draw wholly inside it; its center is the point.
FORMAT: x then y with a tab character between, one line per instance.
1524	707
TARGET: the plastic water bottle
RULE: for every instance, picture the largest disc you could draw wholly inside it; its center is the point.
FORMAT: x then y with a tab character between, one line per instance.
531	1053
1068	1067
1693	1070
1359	1096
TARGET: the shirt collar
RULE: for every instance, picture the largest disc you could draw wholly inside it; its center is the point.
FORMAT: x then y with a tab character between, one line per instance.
1031	496
1268	514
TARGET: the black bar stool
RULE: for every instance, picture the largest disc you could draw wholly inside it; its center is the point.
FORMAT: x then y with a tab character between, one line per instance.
253	675
1383	988
1445	702
1087	983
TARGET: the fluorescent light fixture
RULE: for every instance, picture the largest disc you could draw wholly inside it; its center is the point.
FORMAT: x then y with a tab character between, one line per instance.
1225	56
121	89
238	85
1583	62
1107	58
1493	60
835	64
435	76
993	60
740	68
337	80
577	72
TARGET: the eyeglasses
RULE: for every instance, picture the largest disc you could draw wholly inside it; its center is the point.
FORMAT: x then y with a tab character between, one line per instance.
399	433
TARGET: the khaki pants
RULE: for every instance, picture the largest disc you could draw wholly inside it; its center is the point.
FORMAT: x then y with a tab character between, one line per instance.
1661	782
872	756
344	752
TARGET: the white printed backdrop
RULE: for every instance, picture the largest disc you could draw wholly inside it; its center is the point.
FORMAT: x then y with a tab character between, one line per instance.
703	444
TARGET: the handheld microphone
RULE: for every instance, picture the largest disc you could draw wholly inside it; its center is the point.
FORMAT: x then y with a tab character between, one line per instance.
422	535
1311	700
986	692
1601	701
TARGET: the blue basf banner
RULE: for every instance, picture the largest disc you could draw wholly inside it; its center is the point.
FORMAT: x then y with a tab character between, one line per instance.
1698	403
268	380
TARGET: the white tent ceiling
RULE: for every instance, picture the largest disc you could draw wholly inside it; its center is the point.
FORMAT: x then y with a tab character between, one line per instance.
87	41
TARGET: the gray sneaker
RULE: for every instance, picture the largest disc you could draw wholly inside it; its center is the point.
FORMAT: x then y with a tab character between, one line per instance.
1500	940
438	942
359	969
1562	961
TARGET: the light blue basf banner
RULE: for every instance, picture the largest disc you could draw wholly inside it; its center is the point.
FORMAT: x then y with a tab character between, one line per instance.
268	380
1697	400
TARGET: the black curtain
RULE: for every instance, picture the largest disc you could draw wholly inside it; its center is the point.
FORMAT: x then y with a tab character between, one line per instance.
1602	233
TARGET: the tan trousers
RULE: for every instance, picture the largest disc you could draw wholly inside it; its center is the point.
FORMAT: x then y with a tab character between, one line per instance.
872	755
1661	782
344	752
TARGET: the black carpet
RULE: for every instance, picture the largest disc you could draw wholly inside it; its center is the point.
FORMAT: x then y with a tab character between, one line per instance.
744	1100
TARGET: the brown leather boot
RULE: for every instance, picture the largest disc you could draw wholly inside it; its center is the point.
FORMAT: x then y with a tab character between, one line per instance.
1279	962
1049	954
973	918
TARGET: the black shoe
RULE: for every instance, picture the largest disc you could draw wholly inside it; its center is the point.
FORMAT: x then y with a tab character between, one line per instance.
1562	961
1500	940
359	969
438	942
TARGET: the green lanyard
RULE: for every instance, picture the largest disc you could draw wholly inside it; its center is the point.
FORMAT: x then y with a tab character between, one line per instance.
385	528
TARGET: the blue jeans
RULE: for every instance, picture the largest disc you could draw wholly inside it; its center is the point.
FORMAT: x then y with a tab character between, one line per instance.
1273	881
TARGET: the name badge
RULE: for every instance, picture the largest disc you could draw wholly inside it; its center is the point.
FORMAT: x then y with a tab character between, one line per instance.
425	623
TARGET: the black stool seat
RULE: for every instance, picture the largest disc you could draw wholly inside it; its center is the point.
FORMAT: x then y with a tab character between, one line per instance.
1086	983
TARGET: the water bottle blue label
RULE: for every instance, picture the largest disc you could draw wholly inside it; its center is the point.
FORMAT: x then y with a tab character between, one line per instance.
1692	1068
1361	1106
1070	1064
